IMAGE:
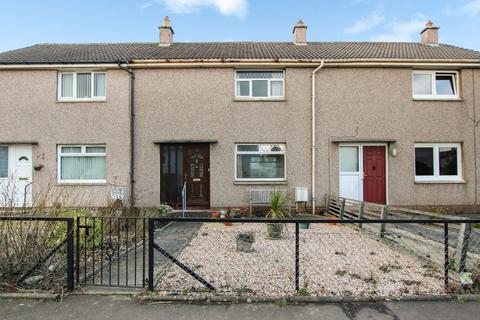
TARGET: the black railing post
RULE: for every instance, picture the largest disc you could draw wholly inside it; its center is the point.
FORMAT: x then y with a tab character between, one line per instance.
78	251
151	262
446	263
297	257
70	262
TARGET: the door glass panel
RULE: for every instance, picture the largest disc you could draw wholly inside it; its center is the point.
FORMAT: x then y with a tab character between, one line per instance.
3	162
424	161
180	177
448	161
164	177
348	159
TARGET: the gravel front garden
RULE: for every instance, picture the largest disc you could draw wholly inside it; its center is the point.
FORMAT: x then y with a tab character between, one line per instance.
334	260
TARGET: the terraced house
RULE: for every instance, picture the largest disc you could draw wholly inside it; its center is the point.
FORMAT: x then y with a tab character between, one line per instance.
385	122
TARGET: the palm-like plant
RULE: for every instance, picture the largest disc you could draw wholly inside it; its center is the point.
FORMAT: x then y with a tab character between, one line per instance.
279	203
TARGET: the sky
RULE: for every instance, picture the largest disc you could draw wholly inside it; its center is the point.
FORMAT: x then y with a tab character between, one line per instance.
27	22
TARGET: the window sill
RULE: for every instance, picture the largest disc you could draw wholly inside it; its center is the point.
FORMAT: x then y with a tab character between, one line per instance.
440	182
437	99
259	99
103	183
260	182
81	101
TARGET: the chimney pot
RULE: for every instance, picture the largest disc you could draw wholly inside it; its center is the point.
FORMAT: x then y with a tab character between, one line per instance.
430	34
166	33
300	33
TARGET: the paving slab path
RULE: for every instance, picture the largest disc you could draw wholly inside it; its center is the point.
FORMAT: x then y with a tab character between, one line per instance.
129	270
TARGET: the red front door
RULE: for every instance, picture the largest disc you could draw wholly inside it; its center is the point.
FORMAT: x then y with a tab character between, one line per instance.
374	182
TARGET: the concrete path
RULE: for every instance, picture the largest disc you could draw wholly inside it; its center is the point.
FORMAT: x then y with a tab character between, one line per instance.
129	270
124	308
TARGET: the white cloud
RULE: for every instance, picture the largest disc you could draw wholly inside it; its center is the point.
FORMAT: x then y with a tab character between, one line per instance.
145	5
402	31
226	7
365	24
471	8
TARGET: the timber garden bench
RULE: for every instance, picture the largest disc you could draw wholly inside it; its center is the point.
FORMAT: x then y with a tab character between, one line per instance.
262	197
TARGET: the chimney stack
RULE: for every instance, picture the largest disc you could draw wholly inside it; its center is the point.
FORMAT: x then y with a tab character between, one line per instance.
430	34
300	33
166	33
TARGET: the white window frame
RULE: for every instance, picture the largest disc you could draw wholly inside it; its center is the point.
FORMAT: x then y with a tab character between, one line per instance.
269	95
434	95
83	153
284	153
436	177
8	162
92	86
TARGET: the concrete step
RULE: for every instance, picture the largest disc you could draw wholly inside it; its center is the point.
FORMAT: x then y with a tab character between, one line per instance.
193	213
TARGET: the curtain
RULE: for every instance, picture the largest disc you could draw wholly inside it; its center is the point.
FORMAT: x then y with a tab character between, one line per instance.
276	88
83	168
84	85
422	83
99	85
67	85
3	162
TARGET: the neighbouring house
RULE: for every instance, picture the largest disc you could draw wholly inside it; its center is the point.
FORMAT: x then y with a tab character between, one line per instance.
386	122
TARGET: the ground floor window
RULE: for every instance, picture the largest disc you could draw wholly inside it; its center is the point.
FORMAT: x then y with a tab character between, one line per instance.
260	162
3	162
437	162
82	164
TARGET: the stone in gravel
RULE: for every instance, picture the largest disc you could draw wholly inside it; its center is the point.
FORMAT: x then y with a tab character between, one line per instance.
33	280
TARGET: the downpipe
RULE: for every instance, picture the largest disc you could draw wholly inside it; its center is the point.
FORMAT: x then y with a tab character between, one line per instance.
314	146
125	67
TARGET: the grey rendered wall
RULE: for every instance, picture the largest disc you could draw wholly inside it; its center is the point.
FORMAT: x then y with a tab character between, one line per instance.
29	112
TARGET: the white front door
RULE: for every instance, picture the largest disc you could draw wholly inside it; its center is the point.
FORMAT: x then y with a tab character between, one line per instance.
350	173
15	175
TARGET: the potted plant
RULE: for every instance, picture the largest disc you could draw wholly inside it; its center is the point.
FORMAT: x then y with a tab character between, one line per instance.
245	241
279	202
304	225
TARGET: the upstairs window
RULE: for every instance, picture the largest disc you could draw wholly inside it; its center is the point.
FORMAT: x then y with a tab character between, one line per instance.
438	162
82	164
435	85
82	86
259	84
260	162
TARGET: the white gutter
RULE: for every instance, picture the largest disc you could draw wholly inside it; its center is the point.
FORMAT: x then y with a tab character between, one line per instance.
305	64
314	145
58	66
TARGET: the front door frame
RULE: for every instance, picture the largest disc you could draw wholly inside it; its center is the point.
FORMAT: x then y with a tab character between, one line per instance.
185	145
360	146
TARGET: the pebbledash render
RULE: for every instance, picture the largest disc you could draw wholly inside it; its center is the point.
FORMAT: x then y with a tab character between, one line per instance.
394	123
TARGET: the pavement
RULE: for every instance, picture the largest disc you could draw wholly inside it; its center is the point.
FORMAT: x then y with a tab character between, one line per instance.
94	307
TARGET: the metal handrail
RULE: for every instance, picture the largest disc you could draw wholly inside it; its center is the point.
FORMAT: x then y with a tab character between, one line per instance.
184	198
25	195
